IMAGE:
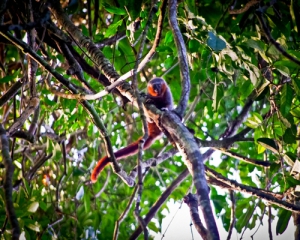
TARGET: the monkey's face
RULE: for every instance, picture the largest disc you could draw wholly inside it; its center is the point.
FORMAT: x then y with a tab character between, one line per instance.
156	87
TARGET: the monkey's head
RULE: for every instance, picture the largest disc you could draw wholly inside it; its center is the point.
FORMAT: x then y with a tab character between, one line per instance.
156	87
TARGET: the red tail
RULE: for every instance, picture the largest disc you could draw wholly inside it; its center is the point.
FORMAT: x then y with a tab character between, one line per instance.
131	149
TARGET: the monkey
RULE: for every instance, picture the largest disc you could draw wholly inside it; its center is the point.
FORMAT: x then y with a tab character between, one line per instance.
158	94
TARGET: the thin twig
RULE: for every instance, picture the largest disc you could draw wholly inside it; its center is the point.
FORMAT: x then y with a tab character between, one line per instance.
31	107
64	173
245	8
144	121
272	40
232	214
124	214
238	156
160	201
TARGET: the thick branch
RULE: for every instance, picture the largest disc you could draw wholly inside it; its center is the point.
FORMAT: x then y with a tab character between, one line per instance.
100	60
189	149
182	57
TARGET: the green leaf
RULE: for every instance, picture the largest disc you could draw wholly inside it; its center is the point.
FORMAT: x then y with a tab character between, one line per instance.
194	46
283	70
164	49
286	99
7	79
205	56
294	11
87	201
11	77
268	144
260	149
78	172
290	158
217	96
132	6
296	84
112	29
84	30
259	45
168	62
168	38
246	89
96	216
296	112
216	43
243	221
254	121
283	220
114	10
287	63
153	227
43	206
289	136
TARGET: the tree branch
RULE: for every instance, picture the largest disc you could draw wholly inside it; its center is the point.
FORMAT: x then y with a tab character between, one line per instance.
182	58
269	37
191	201
8	177
245	8
273	198
232	215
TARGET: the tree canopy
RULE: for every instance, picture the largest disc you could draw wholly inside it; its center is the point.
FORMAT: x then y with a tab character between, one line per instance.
72	77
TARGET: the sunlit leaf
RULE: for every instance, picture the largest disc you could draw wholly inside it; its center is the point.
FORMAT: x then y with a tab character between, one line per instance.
33	207
254	121
268	144
112	29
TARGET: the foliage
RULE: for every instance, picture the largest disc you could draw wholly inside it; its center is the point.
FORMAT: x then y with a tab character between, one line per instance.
232	61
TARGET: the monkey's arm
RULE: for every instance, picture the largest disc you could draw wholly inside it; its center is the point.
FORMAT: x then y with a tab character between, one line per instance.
131	149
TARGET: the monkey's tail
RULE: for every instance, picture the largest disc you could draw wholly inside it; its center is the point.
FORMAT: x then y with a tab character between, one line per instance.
131	149
99	167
